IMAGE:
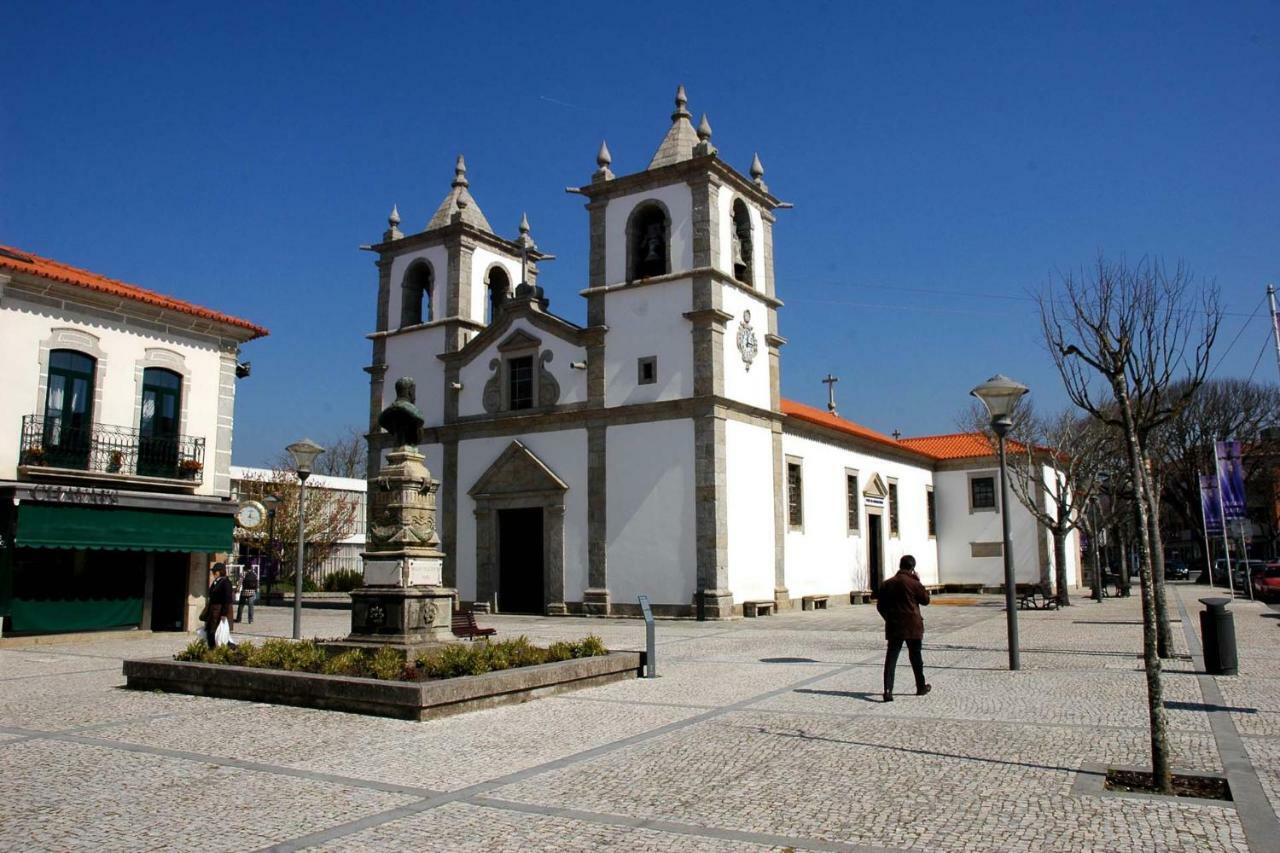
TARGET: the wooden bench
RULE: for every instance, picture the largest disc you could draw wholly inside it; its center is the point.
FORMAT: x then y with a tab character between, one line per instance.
464	625
757	608
1033	597
813	602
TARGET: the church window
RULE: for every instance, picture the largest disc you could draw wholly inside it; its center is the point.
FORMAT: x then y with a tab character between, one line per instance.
648	242
647	368
931	508
743	250
520	382
795	495
982	493
418	285
499	285
851	499
893	508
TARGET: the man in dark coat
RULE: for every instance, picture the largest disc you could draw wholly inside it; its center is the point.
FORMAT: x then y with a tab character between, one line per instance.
221	601
899	603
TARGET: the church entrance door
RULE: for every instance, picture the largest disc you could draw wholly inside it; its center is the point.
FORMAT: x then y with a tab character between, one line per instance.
520	556
875	553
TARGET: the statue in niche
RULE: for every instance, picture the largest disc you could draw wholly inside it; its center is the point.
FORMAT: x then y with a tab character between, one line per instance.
402	419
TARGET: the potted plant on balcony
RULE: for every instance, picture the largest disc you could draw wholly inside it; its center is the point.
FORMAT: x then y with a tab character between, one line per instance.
189	469
33	455
115	462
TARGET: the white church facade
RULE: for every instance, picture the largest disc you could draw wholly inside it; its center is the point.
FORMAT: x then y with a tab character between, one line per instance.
649	452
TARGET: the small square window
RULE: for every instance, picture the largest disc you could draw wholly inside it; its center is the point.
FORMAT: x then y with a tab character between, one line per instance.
647	370
982	493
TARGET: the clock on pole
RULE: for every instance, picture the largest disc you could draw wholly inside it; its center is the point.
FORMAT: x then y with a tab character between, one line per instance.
251	514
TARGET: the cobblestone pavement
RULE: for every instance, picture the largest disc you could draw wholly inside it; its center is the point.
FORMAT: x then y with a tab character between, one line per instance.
760	734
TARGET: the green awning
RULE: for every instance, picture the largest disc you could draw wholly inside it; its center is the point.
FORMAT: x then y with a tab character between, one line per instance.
54	526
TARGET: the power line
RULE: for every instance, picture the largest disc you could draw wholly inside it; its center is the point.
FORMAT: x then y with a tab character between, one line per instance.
1222	357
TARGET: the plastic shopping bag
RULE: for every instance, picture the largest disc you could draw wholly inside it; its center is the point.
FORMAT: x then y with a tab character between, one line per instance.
222	635
202	635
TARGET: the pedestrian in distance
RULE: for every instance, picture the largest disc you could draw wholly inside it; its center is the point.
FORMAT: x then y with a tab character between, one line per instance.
248	593
899	603
221	603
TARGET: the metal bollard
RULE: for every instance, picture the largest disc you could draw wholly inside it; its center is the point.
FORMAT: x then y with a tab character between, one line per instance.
650	658
1218	628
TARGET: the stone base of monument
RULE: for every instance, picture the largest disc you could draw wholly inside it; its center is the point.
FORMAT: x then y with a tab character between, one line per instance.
405	617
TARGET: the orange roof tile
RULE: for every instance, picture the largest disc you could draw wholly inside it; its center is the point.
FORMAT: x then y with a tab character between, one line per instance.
25	262
956	445
809	414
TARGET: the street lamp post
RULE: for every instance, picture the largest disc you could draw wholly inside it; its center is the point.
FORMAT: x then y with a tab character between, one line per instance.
273	559
1000	394
304	453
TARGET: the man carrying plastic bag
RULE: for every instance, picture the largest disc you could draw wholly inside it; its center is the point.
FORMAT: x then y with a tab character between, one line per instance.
219	611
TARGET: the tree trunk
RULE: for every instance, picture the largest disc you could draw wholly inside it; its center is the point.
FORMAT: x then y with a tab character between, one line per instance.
1164	634
1095	532
1060	566
1161	776
1122	544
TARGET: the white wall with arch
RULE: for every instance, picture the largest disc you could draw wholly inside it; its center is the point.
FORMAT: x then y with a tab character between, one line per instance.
678	200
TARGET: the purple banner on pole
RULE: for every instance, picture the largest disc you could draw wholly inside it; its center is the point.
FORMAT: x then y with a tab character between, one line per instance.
1231	479
1209	508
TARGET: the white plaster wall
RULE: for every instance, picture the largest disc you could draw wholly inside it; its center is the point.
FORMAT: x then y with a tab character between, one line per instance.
565	453
481	260
475	373
650	530
1072	544
958	528
413	354
825	558
679	201
749	385
647	321
749	490
24	326
438	257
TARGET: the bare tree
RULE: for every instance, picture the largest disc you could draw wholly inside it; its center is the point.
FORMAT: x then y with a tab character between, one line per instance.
331	517
1132	350
345	455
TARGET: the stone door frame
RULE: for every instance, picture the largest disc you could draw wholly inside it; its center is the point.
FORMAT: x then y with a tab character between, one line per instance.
519	480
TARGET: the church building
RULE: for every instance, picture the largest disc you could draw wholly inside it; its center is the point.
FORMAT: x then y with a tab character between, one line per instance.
649	452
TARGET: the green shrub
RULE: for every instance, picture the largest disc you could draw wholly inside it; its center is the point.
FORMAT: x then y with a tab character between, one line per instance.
343	580
195	651
590	646
352	662
387	664
305	656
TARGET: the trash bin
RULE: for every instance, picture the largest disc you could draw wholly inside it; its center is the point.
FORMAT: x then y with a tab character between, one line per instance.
1218	628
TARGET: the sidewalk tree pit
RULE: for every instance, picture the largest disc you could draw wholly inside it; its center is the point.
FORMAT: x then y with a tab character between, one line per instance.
1141	782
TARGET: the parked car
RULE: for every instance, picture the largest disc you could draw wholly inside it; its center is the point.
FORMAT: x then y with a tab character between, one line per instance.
1266	582
1176	570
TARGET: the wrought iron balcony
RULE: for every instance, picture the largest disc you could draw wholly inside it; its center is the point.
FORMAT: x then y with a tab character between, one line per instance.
48	443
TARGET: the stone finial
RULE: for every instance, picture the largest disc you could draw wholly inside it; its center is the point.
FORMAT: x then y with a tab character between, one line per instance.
677	146
704	146
603	159
682	103
460	172
393	225
757	173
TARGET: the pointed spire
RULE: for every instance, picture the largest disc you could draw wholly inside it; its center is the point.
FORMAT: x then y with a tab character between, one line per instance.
704	146
460	173
458	205
677	145
757	173
682	102
603	159
393	222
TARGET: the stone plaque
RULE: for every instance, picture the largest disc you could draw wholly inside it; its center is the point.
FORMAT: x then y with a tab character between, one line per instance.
426	571
382	573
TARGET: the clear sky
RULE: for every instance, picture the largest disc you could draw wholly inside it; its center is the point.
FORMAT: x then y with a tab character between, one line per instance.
944	159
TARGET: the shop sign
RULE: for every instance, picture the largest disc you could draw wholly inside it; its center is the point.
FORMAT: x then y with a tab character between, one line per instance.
76	495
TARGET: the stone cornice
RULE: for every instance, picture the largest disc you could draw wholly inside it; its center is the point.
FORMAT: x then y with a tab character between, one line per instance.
716	274
447	321
528	310
451	233
775	341
687	171
708	317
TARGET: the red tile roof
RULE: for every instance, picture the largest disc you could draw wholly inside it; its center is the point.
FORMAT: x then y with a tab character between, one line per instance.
956	445
25	262
809	414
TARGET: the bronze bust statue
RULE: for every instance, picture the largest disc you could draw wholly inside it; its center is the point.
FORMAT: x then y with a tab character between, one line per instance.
402	418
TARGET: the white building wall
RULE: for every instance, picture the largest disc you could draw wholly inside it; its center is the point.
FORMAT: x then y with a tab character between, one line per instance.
1072	544
475	373
747	384
438	257
650	530
23	328
749	490
565	453
482	260
413	354
678	199
959	528
825	557
649	321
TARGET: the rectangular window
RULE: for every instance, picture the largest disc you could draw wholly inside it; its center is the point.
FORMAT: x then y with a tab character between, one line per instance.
893	509
932	508
851	487
795	495
647	370
982	493
520	382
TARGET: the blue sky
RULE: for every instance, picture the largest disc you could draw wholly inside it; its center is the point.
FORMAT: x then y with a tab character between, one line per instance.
944	160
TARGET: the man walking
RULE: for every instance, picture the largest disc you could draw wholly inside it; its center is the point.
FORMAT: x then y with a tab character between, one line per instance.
899	603
221	597
248	592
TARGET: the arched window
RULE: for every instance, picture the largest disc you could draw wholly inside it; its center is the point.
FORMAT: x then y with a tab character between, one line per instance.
499	284
743	249
648	241
68	409
159	423
418	286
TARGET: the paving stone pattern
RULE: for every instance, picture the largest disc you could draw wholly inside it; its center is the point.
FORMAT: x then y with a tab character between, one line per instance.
760	734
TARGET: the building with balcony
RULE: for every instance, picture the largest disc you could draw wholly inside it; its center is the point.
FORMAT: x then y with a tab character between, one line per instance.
115	449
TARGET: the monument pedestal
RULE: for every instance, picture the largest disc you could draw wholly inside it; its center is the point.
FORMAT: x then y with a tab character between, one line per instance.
401	616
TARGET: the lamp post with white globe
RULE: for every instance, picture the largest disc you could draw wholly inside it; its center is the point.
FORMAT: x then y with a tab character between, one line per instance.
304	453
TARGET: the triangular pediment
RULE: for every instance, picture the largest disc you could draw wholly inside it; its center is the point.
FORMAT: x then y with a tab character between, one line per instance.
517	471
519	339
875	487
